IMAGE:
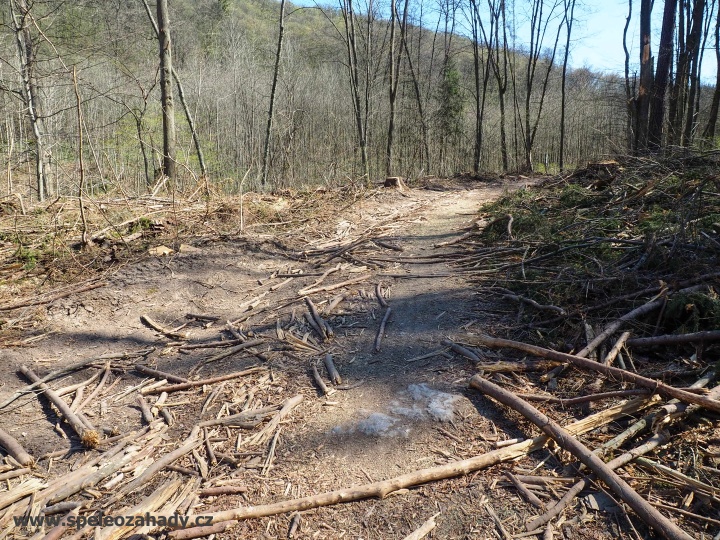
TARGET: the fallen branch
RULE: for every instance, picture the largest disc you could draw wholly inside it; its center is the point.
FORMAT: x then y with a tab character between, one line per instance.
215	344
192	442
147	415
222	490
462	351
326	332
450	470
319	381
517	367
90	438
52	298
524	491
332	370
328	288
695	485
381	330
423	530
577	488
157	374
566	441
584	399
620	374
202	382
70	369
697	337
378	293
242	419
145	319
229	352
266	432
631	315
621	341
333	304
509	295
15	449
320	279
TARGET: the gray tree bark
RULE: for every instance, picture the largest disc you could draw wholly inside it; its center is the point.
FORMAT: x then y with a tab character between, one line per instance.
273	91
166	91
20	15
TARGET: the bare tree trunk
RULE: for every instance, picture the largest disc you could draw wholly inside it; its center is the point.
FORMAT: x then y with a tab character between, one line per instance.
480	89
351	43
646	76
166	91
665	56
20	15
81	181
538	26
273	90
693	45
629	93
418	97
493	47
709	132
569	18
395	58
183	102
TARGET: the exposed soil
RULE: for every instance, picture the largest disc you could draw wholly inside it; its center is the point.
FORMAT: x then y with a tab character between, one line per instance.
395	416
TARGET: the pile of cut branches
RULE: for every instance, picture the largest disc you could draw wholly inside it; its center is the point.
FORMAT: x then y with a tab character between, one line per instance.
615	265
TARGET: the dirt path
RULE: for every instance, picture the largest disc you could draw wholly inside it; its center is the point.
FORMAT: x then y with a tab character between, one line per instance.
396	416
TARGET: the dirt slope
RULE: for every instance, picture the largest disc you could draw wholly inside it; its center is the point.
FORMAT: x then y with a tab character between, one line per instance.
393	416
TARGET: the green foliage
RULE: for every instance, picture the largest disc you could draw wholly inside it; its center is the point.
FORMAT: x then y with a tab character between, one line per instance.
142	224
27	256
452	101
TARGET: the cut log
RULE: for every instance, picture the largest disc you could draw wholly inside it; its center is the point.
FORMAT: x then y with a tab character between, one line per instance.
15	449
332	370
89	437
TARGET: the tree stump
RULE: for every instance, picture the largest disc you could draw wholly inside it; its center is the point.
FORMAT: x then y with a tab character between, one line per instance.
395	182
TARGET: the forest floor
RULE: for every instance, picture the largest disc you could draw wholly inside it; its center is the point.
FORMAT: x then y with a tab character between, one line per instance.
394	412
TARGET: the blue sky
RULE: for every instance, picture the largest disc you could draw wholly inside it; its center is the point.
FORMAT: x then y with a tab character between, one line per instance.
597	34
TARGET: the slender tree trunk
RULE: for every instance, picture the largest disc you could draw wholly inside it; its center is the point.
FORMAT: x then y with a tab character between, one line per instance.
395	58
480	88
569	18
646	75
183	102
81	181
665	56
20	14
166	91
538	23
418	97
273	90
709	132
629	97
392	94
693	45
348	13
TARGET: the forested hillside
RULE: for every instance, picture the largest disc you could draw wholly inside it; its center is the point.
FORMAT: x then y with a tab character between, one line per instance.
450	84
